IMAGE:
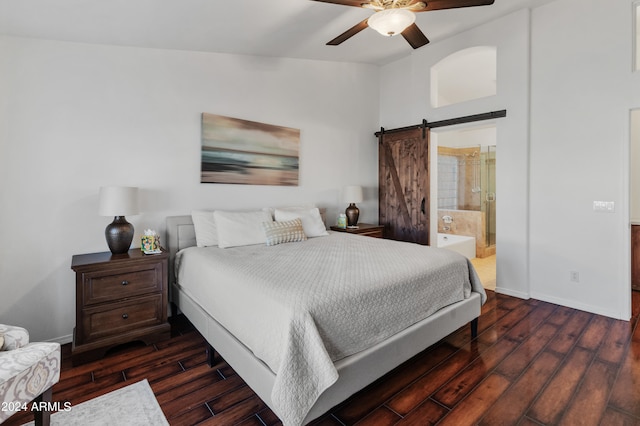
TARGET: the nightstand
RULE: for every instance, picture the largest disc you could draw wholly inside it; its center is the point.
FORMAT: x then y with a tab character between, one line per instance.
363	229
119	299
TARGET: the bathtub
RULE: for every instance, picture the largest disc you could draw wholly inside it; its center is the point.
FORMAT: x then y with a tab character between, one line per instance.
464	245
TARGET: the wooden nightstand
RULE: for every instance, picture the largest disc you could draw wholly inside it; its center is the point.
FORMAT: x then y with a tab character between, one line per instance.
119	299
366	229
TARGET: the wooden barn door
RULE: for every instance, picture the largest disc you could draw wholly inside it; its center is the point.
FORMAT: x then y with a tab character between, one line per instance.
404	184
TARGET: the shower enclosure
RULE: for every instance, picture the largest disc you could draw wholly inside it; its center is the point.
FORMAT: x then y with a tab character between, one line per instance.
467	194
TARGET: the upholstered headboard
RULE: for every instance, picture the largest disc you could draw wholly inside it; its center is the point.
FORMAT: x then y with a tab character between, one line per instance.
180	234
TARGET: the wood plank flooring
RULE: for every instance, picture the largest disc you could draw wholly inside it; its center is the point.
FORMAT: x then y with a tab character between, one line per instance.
533	363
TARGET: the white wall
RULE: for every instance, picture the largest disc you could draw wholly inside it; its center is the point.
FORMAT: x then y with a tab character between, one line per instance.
581	96
407	104
74	117
565	149
479	134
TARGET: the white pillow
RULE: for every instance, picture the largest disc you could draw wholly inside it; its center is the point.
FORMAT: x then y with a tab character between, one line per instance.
204	225
311	220
240	228
272	210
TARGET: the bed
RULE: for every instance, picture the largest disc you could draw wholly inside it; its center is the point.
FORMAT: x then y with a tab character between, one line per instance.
329	314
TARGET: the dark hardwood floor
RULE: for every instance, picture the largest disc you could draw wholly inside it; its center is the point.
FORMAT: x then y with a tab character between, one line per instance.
533	363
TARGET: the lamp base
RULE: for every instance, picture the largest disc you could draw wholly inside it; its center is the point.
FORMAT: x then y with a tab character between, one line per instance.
119	235
352	213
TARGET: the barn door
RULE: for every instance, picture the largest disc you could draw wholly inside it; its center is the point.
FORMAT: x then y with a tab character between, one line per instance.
404	184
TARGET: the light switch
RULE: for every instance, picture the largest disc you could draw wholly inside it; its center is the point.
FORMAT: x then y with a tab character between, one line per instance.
604	206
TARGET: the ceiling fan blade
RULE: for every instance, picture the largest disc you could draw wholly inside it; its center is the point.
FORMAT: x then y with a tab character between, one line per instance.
453	4
349	33
418	5
414	36
354	3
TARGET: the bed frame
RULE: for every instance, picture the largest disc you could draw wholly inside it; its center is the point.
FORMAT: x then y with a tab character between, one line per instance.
355	372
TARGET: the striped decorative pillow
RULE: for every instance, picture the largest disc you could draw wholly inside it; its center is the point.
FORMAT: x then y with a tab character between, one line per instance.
287	231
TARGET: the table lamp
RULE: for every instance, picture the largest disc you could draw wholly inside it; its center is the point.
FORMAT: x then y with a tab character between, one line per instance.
352	194
118	201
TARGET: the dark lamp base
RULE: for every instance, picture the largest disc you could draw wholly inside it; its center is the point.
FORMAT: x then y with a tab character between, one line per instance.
119	235
352	213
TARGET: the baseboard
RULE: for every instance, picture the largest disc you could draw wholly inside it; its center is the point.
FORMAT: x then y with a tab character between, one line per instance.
577	305
63	340
509	292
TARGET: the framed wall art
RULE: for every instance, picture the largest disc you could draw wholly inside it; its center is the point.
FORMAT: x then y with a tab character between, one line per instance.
246	152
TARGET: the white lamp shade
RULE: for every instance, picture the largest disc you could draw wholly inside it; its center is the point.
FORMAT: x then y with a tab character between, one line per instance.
352	194
118	201
390	22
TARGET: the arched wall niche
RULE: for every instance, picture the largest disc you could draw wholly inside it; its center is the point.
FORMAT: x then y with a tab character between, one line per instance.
464	75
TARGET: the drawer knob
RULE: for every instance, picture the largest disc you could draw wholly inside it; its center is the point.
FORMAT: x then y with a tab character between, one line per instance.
125	282
125	316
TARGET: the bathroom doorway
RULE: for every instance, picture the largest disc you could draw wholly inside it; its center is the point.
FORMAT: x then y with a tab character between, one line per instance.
465	174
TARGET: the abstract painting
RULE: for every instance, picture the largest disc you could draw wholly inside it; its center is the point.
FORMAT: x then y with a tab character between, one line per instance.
247	152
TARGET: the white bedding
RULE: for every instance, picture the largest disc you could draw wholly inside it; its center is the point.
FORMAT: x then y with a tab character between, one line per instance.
301	306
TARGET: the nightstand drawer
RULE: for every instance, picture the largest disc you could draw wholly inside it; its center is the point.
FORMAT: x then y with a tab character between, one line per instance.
373	233
99	287
112	319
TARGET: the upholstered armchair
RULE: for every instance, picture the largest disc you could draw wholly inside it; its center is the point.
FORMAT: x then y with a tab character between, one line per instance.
27	373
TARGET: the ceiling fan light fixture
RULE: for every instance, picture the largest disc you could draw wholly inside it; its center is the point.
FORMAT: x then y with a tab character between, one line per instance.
390	22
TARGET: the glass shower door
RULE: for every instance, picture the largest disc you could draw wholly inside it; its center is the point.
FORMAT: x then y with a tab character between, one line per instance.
489	185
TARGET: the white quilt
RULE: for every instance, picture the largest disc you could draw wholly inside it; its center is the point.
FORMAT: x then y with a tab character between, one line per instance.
301	306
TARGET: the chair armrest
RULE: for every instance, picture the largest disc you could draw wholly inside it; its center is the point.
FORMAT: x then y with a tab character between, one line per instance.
14	337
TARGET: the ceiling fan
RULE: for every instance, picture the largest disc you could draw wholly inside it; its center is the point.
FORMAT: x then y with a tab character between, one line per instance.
394	17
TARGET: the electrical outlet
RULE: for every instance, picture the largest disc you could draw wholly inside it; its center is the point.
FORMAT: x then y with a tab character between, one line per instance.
574	276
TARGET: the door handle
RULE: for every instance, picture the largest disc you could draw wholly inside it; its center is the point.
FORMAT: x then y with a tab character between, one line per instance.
422	205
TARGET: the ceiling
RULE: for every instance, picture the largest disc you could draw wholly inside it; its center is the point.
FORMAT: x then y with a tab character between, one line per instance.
276	28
